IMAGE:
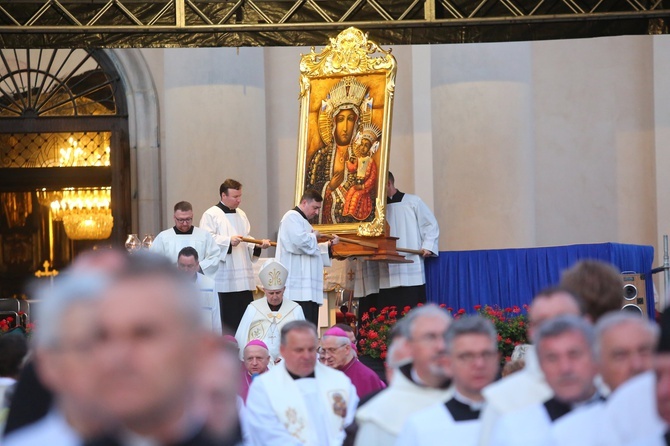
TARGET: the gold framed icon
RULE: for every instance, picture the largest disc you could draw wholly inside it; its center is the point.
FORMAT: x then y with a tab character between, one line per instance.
346	104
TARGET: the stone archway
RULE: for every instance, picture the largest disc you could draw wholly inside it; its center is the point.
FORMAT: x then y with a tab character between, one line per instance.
143	131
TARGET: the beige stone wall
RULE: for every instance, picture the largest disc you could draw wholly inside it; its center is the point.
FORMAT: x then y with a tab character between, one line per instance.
512	144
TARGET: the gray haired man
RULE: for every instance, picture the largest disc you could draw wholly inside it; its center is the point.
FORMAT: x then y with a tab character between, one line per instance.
472	361
64	341
565	352
418	384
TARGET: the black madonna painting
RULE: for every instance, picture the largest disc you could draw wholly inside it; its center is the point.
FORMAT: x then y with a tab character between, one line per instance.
345	126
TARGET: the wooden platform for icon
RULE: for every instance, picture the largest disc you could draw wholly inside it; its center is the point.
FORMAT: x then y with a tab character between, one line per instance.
384	250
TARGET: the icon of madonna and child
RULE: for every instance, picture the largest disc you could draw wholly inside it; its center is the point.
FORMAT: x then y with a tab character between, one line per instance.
344	169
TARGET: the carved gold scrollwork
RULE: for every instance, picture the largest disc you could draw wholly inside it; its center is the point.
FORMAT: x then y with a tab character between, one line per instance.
348	53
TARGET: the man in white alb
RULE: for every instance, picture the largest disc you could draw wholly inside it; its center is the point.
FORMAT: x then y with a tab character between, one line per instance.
183	234
472	361
265	317
299	250
228	224
414	224
415	385
625	345
565	351
187	261
528	386
300	401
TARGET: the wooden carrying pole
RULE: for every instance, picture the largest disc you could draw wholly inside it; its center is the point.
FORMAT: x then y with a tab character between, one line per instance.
351	240
257	242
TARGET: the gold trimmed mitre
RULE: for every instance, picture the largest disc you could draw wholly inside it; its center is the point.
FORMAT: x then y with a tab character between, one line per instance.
273	275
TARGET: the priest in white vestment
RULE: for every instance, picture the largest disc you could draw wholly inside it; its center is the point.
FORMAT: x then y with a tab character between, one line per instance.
625	345
64	363
256	360
187	261
234	277
416	227
298	249
415	386
564	348
659	433
300	401
183	234
528	386
472	361
265	317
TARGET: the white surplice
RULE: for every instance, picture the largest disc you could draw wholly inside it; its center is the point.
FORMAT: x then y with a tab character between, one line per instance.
282	411
631	410
650	440
516	391
416	228
585	426
51	430
259	322
434	425
608	423
169	243
235	272
366	279
209	303
299	251
530	426
381	419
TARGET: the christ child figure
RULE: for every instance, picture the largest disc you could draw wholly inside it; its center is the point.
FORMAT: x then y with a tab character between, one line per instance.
363	169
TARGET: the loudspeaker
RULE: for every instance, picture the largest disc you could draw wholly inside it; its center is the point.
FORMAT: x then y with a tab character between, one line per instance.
634	294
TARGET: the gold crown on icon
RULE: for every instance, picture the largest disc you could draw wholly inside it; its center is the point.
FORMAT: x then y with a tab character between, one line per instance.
370	132
346	91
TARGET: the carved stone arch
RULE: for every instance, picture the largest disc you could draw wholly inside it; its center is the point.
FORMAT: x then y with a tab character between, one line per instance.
144	133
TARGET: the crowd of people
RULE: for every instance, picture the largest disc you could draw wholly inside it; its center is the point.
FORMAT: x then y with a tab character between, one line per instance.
129	352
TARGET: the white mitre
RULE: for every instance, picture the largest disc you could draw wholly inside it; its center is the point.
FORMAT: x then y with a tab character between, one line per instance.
273	275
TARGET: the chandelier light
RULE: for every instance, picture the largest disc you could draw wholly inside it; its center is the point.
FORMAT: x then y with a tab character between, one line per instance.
85	212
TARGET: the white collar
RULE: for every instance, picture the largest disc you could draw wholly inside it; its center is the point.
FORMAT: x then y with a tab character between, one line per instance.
474	405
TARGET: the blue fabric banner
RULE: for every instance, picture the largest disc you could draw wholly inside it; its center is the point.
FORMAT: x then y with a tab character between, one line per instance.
508	277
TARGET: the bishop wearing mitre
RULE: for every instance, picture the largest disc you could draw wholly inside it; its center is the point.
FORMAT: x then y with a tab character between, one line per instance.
264	317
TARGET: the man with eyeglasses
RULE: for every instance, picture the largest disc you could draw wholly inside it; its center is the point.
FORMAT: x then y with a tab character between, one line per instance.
340	355
418	385
183	234
472	362
228	224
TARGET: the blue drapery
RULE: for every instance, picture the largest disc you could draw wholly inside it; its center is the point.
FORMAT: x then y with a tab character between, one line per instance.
508	277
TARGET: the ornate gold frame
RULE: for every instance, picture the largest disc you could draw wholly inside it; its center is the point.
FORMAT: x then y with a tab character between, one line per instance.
349	55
